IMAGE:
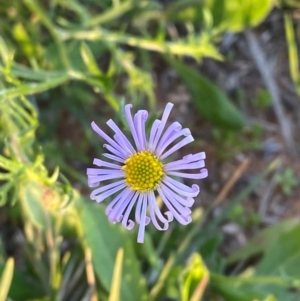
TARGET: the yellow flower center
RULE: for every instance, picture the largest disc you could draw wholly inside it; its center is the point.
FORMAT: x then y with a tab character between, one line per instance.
143	171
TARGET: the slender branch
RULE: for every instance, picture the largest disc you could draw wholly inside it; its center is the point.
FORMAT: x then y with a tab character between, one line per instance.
267	74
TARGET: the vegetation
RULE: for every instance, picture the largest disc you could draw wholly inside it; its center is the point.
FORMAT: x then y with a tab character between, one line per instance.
64	63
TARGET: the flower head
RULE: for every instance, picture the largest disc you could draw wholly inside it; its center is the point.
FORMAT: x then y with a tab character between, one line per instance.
140	172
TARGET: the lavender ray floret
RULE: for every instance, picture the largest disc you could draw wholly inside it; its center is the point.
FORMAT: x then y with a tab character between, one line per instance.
115	215
101	171
153	133
164	119
114	151
172	138
173	128
131	125
139	122
181	188
193	165
101	163
128	223
123	194
186	202
141	232
177	146
118	131
154	211
184	220
107	138
203	174
184	210
195	157
113	157
138	210
95	192
123	144
116	175
99	198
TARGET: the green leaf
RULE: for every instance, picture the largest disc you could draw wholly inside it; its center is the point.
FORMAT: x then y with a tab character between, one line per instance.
227	15
117	277
229	288
31	196
261	242
6	278
278	271
211	102
32	88
105	239
89	60
236	15
285	252
22	287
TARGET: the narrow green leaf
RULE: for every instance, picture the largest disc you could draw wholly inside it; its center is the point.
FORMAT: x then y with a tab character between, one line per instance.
89	59
201	47
293	51
117	277
32	88
6	279
111	14
211	102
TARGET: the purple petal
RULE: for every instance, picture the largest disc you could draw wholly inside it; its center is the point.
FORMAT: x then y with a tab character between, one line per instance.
101	197
97	179
188	202
115	215
177	146
188	159
128	223
184	220
178	166
138	210
104	188
203	174
154	211
107	138
101	163
172	138
141	233
153	132
122	195
173	128
139	121
195	157
101	171
123	144
115	151
131	125
113	157
181	188
117	130
164	119
184	210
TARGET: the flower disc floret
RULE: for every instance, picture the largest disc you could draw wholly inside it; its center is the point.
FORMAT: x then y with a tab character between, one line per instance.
143	171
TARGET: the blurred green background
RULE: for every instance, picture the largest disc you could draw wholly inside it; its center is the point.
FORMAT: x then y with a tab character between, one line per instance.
231	69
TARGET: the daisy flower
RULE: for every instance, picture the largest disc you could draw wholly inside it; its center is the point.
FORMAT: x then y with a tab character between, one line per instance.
141	172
